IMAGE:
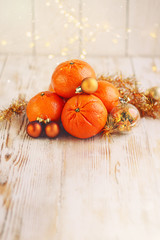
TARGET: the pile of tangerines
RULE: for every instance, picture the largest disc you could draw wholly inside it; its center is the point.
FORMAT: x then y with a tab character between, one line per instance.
76	99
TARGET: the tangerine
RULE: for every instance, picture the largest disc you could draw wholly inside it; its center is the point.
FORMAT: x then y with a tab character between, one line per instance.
69	75
50	88
108	93
45	105
84	116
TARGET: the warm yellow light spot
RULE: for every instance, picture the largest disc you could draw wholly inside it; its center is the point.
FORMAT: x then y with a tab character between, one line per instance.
37	37
70	19
3	43
84	52
28	34
118	36
90	33
62	11
75	21
86	25
66	25
60	6
153	35
47	44
84	19
86	39
67	14
129	30
71	40
97	25
72	10
31	45
48	4
82	56
50	56
78	24
64	51
154	68
115	41
93	39
106	27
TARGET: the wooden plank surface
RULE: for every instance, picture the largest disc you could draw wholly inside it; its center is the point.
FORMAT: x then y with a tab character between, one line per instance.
77	189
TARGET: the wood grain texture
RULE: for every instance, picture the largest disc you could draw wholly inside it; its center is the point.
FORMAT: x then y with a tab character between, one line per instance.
78	189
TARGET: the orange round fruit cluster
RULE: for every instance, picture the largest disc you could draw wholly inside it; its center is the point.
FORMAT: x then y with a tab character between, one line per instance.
76	99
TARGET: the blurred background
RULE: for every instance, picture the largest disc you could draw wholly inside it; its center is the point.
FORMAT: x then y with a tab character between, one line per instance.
80	28
37	35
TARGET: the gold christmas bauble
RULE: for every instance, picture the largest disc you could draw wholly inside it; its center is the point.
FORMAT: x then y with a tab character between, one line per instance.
125	116
89	85
154	92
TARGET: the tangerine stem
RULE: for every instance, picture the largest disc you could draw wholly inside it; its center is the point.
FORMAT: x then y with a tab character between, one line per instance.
78	89
77	110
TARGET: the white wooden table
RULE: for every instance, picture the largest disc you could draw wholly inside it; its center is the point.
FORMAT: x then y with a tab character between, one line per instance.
71	189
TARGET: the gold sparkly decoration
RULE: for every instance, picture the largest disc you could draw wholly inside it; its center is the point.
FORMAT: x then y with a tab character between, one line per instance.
147	105
17	107
42	120
121	119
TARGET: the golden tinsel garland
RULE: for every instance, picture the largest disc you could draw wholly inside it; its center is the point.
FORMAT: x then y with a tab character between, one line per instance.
16	107
147	105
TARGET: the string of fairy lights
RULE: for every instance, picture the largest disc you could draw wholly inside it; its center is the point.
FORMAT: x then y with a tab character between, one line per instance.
82	23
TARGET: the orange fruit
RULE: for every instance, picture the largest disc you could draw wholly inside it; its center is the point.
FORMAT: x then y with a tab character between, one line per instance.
84	116
69	75
50	88
108	93
45	105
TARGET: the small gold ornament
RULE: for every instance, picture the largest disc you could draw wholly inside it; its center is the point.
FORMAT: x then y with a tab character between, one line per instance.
122	119
89	85
154	92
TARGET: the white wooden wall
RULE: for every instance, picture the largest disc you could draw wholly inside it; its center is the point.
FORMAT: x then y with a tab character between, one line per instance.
102	27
